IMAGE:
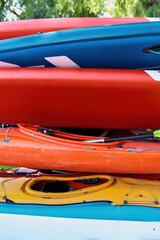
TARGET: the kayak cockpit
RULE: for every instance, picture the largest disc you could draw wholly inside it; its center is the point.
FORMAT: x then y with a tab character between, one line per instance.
55	186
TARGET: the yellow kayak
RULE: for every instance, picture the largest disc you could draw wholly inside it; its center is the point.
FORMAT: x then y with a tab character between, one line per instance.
80	189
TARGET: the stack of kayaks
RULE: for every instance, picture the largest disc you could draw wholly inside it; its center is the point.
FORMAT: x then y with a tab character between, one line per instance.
77	96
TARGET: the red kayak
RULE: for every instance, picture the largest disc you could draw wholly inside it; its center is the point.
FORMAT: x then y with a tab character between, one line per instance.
28	27
80	98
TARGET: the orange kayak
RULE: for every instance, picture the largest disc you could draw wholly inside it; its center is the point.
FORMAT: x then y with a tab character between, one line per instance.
33	26
80	98
27	147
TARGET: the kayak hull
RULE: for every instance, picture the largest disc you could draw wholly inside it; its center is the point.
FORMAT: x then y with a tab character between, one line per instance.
81	220
26	147
27	27
80	98
123	46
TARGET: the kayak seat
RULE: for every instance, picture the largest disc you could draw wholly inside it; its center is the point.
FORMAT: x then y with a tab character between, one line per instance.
55	186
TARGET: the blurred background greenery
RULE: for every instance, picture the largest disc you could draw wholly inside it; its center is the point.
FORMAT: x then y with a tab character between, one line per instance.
29	9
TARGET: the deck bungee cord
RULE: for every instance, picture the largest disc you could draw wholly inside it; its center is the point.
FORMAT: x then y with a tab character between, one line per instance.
57	190
6	139
5	196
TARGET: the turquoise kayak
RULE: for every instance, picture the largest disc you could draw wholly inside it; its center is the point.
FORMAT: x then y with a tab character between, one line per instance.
99	220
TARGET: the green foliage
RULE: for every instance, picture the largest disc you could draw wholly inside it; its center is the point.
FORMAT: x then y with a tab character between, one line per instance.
61	8
80	8
148	8
124	8
2	10
38	9
5	6
136	8
30	9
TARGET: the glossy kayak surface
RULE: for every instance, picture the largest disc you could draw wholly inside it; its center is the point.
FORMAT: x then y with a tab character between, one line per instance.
27	147
81	98
99	220
123	46
33	26
57	190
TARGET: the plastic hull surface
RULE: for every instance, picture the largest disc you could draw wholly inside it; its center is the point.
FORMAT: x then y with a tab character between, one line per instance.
84	98
123	46
33	26
29	148
83	221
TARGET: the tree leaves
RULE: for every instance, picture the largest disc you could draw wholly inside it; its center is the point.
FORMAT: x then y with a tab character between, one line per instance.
30	9
136	8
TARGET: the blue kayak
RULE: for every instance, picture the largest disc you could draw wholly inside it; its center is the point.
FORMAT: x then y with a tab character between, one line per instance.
99	220
124	46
